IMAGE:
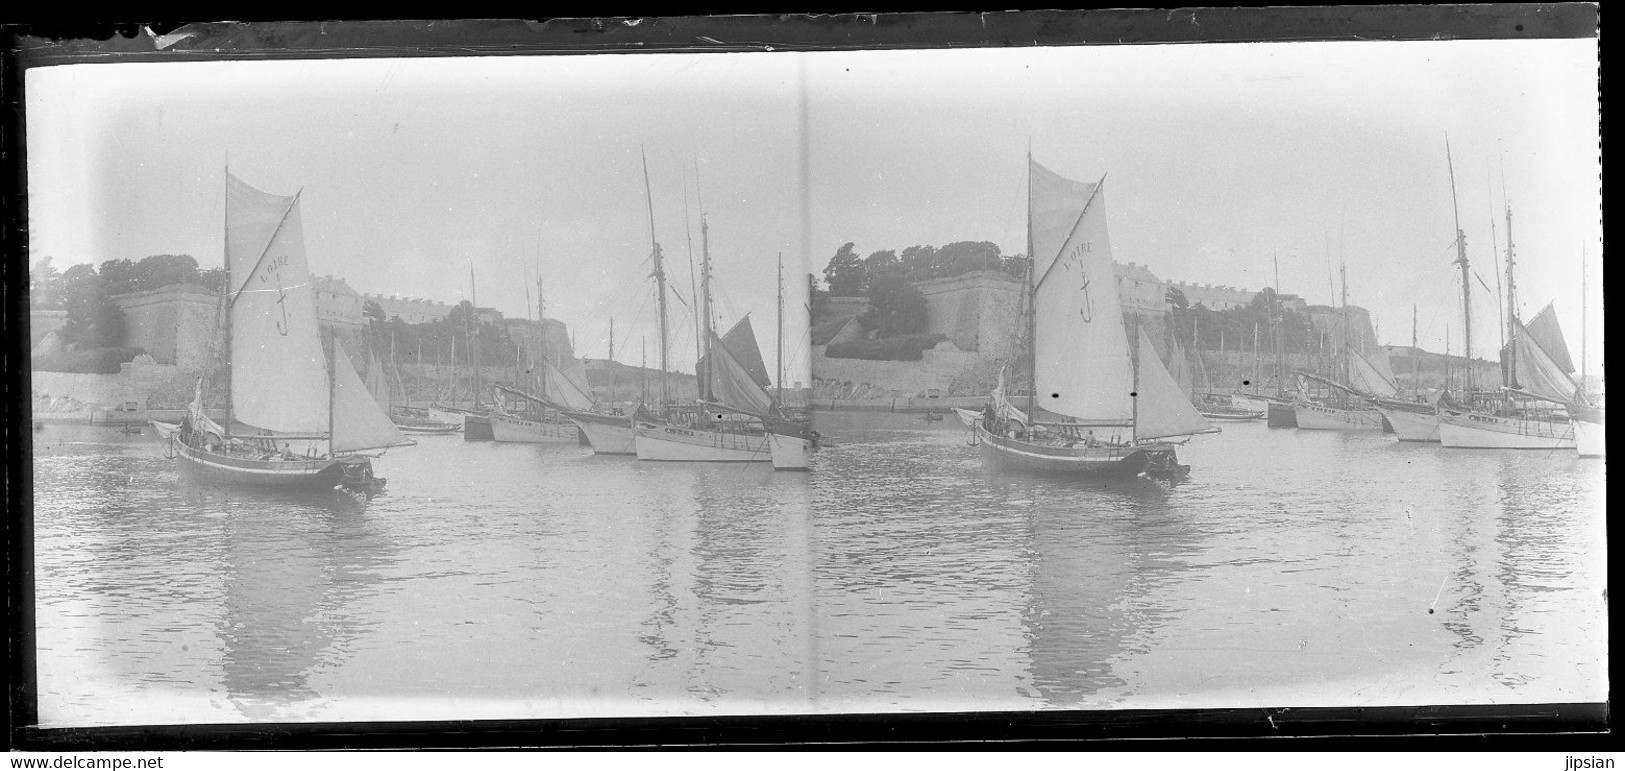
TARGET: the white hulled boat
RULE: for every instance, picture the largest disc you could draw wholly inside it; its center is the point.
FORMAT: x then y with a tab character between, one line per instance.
297	413
1530	412
1102	403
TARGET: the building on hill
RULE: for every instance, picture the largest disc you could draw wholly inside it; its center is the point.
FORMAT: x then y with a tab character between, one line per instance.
1328	321
337	303
1140	291
175	325
412	310
1214	298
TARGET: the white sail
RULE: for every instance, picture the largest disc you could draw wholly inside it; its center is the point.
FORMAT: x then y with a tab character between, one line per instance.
1053	204
1547	334
278	372
1164	409
1537	372
358	422
732	383
1366	378
1081	355
1384	365
564	390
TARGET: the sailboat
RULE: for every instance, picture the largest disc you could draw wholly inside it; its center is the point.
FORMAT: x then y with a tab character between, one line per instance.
1414	419
1281	411
716	430
527	417
1345	406
790	440
409	419
297	414
1590	425
1530	412
1100	403
1209	403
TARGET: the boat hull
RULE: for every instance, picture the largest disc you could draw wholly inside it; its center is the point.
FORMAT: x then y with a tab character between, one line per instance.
789	452
1283	415
1101	461
301	474
665	442
1478	431
1231	416
1320	417
1411	425
1256	404
1590	439
607	434
477	428
508	428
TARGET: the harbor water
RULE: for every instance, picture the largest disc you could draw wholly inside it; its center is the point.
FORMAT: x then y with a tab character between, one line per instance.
902	574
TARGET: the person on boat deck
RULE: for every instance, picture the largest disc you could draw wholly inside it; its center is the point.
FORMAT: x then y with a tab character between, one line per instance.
287	454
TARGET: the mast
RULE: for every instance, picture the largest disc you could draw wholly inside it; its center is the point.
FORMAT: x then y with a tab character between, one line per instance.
693	284
778	378
643	374
1416	382
611	366
1256	388
1509	367
659	273
1134	361
1279	329
225	301
394	363
474	339
1343	269
1466	282
332	342
541	329
1582	321
1032	294
705	305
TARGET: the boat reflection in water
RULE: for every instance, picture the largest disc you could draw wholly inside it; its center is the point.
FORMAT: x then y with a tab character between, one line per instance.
497	580
289	583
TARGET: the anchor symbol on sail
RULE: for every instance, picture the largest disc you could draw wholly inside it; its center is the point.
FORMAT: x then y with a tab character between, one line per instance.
281	297
1087	310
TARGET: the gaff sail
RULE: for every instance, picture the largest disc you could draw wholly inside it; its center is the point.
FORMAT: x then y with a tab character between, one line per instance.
563	390
1537	372
740	342
733	385
278	372
1366	378
1546	333
1081	355
358	422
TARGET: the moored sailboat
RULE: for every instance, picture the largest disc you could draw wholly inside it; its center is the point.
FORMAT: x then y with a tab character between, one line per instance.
715	431
1530	412
1101	402
297	413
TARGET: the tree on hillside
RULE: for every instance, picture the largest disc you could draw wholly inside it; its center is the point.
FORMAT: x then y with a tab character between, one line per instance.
44	284
372	310
118	276
94	320
878	264
895	307
161	270
213	279
845	272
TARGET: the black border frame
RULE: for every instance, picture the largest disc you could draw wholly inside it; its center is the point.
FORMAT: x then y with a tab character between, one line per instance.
1555	727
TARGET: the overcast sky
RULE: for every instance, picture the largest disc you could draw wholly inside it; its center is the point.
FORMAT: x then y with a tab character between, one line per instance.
1216	157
